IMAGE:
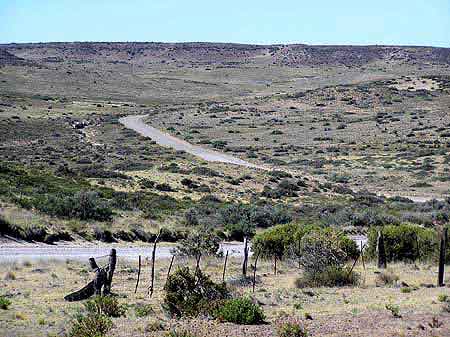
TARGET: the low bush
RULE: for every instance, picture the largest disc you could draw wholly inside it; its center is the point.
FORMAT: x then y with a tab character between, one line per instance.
394	309
240	311
90	325
4	303
143	310
285	241
84	205
321	250
189	294
443	298
105	305
286	188
291	327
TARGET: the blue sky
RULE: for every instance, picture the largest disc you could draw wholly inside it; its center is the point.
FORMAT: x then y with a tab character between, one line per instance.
405	22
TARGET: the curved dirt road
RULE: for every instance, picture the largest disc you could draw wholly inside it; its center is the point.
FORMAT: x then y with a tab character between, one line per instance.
137	124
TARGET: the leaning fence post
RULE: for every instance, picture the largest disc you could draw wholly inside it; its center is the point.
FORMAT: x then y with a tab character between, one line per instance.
152	276
381	251
139	275
111	269
224	267
442	251
170	267
254	271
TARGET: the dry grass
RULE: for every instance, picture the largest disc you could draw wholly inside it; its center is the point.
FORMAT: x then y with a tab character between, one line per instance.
39	288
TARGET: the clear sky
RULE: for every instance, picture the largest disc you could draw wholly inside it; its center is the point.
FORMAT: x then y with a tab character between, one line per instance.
405	22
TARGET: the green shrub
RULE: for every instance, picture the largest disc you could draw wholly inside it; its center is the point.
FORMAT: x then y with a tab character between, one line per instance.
284	241
143	310
404	242
443	297
240	311
198	243
187	294
349	247
105	305
406	290
90	325
4	303
394	309
291	327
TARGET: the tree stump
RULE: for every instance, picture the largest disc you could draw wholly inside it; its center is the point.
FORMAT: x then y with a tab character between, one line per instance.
110	273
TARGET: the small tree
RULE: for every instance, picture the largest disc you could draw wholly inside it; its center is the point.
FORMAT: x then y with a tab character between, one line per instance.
197	244
321	251
274	242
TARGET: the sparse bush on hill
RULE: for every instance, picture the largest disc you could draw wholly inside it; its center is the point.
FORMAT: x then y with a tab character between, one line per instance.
286	188
84	205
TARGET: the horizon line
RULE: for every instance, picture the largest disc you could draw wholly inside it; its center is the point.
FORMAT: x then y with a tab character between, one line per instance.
235	43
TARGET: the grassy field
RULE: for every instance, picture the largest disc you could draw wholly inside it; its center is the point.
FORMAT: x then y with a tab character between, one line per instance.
36	290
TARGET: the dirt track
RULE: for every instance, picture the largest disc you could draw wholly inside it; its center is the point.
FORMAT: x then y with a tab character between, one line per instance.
137	124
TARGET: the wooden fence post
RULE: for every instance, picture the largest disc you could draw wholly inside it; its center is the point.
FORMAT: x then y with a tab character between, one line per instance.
245	263
152	276
110	273
224	267
362	255
381	251
139	275
442	252
275	265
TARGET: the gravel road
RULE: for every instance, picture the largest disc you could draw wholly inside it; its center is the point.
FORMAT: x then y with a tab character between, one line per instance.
137	124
